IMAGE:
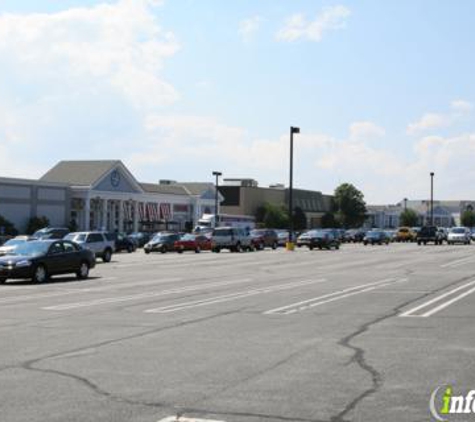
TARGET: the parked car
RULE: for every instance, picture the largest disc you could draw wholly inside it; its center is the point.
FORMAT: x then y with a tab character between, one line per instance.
231	238
282	237
10	245
50	233
122	242
391	234
430	234
162	242
265	238
376	237
97	242
459	235
319	239
472	233
193	242
140	238
405	234
38	260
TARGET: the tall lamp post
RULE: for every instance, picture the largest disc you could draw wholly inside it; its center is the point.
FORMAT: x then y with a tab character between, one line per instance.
290	245
405	204
431	198
216	174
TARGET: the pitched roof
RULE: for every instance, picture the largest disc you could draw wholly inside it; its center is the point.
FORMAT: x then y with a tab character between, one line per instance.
173	189
197	188
79	173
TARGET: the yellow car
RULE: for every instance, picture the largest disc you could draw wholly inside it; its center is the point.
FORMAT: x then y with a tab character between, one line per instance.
405	234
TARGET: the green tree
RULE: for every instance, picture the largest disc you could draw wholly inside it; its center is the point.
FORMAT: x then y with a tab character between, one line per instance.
274	216
36	223
329	220
300	219
7	227
350	205
468	218
408	218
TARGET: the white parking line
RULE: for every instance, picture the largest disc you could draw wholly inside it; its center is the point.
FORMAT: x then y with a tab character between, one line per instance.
230	297
146	295
332	297
412	312
457	262
182	419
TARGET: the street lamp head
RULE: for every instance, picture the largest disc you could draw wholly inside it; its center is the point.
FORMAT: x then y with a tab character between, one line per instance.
295	129
217	173
432	173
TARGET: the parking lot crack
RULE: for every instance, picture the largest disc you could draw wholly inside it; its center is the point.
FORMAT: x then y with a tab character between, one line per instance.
359	353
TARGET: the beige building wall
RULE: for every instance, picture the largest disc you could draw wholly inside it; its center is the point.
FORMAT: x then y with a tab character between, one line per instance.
251	198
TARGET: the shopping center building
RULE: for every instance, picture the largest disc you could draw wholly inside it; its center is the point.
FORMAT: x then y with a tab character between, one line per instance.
104	195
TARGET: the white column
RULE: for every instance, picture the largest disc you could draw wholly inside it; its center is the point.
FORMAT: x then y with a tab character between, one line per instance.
136	216
87	214
121	216
104	223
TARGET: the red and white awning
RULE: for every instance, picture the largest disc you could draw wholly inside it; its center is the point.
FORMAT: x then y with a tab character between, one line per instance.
165	211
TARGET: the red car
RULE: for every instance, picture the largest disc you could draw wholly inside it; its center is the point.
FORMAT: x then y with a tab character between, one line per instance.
193	242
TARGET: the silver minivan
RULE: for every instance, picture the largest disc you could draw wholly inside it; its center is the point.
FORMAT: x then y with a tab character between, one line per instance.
231	238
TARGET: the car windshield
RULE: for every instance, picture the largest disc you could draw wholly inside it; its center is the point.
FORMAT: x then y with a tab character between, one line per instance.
373	234
188	237
41	232
32	248
458	230
76	237
318	233
14	242
222	233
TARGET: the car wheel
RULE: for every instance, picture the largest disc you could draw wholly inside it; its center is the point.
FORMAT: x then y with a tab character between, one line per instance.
274	245
40	274
337	247
146	251
310	247
3	280
238	248
198	249
216	250
83	271
163	249
130	249
179	250
107	255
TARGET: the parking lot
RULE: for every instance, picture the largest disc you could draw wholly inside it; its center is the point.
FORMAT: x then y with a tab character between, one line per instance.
359	334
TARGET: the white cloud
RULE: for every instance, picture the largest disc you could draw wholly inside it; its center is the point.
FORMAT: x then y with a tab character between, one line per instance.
298	28
360	131
461	106
429	121
248	28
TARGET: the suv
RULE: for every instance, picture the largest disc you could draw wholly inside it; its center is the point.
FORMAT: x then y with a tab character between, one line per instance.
97	242
234	239
265	238
430	234
50	233
459	235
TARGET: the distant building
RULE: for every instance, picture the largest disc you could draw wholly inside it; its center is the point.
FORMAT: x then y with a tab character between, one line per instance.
446	213
244	197
104	195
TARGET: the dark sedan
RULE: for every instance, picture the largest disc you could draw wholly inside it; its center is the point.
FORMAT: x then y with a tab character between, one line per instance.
321	239
376	237
38	260
162	242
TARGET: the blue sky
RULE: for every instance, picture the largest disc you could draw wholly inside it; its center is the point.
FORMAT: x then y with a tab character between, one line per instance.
383	91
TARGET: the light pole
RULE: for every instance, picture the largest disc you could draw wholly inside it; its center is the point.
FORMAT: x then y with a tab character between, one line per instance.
431	198
405	204
216	174
291	214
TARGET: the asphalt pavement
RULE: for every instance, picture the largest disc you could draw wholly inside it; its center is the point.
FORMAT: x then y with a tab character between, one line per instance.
360	334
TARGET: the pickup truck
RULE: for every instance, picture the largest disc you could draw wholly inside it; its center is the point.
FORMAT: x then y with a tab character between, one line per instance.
97	242
430	234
